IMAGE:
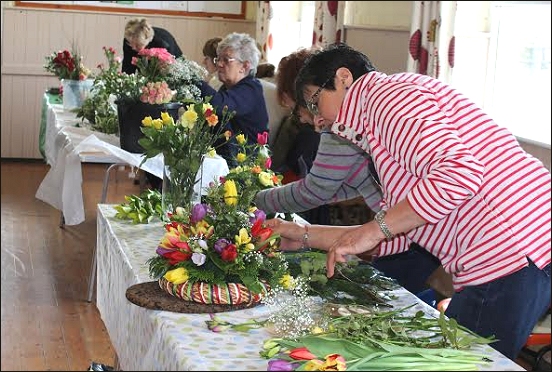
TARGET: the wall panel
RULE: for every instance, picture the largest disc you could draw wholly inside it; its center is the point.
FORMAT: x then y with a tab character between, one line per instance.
28	35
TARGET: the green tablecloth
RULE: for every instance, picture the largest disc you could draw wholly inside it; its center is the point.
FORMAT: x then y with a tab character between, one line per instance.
48	98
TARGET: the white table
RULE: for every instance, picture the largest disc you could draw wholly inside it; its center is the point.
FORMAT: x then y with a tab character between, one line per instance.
66	147
167	341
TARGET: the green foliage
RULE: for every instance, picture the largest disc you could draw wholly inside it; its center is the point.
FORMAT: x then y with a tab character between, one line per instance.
142	208
354	283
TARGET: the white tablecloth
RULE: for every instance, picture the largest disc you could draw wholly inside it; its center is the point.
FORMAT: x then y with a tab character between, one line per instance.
167	341
67	146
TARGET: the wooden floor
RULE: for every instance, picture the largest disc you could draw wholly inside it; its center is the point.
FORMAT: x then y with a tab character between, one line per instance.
47	324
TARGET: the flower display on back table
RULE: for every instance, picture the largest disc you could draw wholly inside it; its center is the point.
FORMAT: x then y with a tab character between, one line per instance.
161	78
67	64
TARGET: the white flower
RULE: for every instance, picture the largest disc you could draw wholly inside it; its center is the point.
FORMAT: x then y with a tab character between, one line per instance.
198	258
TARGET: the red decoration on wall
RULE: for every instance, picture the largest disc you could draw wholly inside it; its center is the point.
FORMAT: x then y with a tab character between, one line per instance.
270	41
415	44
332	7
451	52
338	36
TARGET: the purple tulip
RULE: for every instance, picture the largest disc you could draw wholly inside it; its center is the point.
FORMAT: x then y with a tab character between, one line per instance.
161	251
198	213
259	214
281	365
221	244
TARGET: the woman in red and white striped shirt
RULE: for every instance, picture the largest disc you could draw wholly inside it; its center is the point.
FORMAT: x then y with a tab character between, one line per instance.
453	181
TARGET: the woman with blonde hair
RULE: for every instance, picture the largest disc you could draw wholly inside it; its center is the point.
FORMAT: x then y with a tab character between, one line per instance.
140	34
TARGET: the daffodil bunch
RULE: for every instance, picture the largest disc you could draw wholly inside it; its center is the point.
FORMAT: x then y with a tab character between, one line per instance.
217	243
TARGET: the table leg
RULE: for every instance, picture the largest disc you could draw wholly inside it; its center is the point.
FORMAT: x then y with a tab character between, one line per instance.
62	221
92	277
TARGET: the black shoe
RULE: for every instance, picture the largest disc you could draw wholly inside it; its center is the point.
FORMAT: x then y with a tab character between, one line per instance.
99	367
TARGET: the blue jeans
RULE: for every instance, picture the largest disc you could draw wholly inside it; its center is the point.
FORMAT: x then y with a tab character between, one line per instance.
410	269
508	307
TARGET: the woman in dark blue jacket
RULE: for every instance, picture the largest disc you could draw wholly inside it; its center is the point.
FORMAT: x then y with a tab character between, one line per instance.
236	62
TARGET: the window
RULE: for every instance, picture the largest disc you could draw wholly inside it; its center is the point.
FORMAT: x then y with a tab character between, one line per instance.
503	63
293	23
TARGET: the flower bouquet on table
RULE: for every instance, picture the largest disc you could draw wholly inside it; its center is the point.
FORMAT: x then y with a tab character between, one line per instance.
68	66
184	144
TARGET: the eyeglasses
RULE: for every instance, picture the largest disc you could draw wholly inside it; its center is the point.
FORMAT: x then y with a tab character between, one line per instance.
224	60
313	106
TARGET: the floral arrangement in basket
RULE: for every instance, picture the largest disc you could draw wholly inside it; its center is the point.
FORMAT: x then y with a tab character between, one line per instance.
160	78
219	251
65	64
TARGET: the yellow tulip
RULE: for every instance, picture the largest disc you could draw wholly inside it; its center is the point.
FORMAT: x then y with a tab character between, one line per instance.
287	281
242	237
157	123
211	153
189	118
240	138
167	119
177	276
146	122
230	193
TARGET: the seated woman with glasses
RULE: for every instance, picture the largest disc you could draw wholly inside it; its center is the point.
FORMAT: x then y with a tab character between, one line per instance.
140	34
209	55
236	62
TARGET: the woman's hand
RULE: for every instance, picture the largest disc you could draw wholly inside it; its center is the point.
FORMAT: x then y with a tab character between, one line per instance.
360	240
286	229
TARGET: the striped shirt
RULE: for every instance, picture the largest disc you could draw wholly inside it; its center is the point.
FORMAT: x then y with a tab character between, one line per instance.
487	202
339	172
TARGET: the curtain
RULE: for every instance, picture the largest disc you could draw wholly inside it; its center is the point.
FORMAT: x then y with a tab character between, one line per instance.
431	45
328	22
264	37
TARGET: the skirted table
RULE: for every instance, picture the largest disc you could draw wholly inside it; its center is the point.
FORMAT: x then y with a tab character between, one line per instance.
159	340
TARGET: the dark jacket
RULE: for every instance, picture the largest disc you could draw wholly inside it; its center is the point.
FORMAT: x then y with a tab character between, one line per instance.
161	39
246	98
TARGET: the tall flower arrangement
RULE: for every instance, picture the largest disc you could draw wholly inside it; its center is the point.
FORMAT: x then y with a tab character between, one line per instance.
183	143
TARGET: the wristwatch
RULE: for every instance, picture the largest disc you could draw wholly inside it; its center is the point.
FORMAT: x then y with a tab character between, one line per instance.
383	226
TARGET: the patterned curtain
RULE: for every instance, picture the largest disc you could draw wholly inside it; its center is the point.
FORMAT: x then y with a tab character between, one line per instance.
328	22
431	46
264	38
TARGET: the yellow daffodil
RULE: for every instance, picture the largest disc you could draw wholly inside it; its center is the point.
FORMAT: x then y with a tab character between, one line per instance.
241	157
240	138
266	179
176	276
230	193
147	121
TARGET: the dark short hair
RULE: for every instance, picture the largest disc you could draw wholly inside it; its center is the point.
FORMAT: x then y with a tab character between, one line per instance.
210	47
265	70
320	67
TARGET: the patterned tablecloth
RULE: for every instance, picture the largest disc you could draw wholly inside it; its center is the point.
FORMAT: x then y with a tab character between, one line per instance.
166	341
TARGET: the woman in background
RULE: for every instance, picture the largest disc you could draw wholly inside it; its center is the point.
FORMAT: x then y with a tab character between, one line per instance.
237	60
209	54
140	34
